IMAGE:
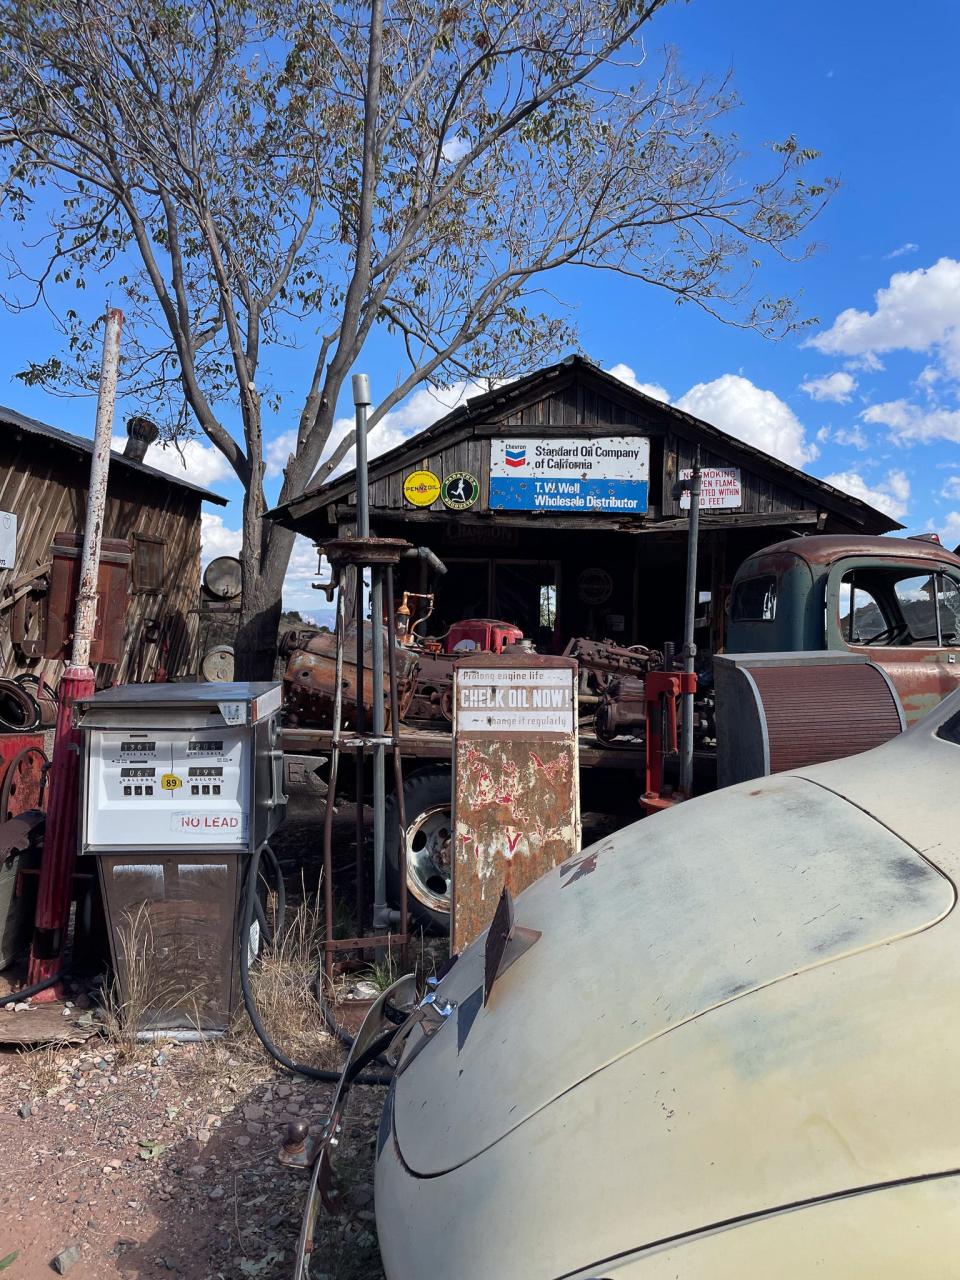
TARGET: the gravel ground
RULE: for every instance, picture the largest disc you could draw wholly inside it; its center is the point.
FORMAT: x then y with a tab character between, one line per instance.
160	1160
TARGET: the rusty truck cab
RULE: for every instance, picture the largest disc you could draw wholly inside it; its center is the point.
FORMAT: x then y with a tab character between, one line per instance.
897	600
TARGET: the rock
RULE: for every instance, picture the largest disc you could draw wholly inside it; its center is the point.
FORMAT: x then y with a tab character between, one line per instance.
159	1059
24	1111
216	1193
66	1258
253	1113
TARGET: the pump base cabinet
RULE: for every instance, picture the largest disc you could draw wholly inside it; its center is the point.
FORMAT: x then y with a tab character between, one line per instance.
181	782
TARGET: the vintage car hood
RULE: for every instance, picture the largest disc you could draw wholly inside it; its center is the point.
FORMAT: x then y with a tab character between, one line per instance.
673	917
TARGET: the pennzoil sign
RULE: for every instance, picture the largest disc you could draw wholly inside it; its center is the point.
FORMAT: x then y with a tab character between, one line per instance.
421	488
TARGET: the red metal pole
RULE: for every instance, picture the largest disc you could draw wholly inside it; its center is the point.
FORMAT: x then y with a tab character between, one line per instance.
60	843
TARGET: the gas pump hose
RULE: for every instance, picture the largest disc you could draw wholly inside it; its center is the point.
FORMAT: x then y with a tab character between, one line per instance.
312	1073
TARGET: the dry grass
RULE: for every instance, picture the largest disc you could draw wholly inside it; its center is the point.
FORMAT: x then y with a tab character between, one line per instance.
40	1069
282	982
150	988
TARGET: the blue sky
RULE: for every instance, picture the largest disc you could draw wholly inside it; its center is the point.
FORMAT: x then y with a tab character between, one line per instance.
869	399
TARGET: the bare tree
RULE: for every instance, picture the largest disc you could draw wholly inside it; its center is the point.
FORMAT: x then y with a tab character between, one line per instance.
295	172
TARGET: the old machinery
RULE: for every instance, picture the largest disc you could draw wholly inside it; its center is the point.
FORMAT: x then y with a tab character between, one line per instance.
179	783
729	1053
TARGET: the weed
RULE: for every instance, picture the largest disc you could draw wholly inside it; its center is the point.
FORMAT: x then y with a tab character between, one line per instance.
282	982
40	1069
149	988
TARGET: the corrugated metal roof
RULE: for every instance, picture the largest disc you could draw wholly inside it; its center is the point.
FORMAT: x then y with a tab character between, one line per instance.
11	418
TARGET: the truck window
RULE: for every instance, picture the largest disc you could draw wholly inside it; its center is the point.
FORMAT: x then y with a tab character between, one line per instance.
885	606
755	600
862	620
917	600
948	603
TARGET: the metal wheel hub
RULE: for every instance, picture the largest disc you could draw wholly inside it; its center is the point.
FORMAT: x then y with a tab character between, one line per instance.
428	848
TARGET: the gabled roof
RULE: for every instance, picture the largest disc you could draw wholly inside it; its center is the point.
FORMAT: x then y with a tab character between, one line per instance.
10	417
492	405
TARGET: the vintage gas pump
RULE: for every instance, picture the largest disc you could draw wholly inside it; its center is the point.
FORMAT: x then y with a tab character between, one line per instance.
180	783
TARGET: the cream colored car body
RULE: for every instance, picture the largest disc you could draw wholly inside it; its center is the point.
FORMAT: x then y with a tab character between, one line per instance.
734	1052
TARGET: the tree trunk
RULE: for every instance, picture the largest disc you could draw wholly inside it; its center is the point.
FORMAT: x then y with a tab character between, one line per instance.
263	560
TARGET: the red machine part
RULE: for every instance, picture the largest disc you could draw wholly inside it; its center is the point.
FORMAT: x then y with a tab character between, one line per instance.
662	693
22	773
489	635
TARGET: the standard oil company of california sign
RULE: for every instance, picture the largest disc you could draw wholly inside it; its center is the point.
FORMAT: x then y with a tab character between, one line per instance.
571	473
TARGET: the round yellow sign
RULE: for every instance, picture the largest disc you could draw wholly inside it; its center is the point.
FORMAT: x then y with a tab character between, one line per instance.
421	488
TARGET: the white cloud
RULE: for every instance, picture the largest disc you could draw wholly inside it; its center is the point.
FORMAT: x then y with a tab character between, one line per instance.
199	463
918	311
853	437
302	572
216	539
952	488
836	387
949	529
455	148
418	411
909	423
891	495
652	389
904	249
758	417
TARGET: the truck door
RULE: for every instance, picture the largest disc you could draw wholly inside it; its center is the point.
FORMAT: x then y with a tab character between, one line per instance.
904	616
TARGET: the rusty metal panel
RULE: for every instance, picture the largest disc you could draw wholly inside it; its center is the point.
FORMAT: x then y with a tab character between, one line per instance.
113	580
814	714
516	780
780	711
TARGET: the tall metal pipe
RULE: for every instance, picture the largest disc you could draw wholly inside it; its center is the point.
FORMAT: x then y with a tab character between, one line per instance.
689	648
361	401
55	888
381	915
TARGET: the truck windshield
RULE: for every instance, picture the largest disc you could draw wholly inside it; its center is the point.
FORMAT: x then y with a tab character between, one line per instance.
893	607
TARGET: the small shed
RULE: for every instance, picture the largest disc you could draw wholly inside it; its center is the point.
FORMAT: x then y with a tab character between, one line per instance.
151	537
551	500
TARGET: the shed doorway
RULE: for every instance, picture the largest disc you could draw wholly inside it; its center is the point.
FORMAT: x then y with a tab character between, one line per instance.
524	592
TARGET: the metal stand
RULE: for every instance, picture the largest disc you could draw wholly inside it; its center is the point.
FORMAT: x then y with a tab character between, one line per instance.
379	556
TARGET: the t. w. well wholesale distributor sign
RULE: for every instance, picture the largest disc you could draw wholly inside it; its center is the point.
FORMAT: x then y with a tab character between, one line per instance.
573	473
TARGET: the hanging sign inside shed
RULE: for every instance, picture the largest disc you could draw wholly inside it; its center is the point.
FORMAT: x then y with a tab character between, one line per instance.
719	487
570	473
516	780
8	540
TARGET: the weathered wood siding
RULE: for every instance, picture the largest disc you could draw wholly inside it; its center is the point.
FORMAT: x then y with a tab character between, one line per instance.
761	494
44	482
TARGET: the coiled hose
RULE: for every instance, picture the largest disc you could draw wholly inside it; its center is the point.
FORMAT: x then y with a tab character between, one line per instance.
250	899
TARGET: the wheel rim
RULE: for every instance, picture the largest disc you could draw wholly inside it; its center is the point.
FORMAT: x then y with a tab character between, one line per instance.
428	850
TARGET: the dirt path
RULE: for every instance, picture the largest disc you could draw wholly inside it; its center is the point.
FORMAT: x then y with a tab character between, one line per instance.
167	1167
160	1161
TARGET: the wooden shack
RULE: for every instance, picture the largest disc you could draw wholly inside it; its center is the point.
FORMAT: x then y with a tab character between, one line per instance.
552	502
154	520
